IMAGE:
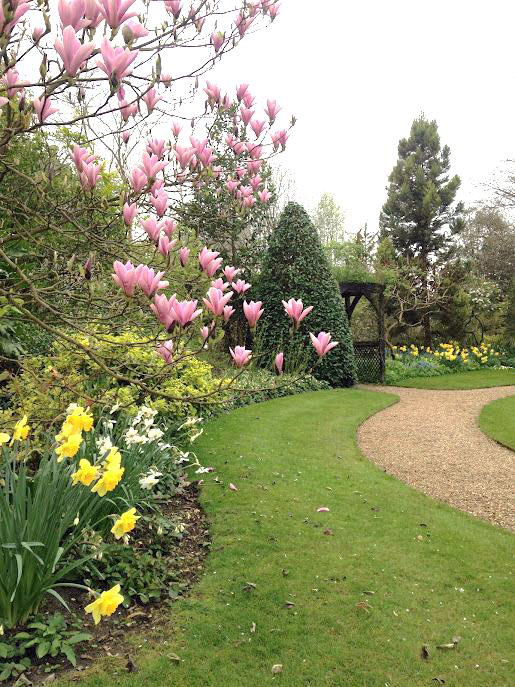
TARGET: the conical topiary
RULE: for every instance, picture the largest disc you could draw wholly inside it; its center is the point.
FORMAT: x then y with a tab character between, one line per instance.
295	266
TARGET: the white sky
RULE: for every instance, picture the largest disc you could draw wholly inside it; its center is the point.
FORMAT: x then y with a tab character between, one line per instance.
356	73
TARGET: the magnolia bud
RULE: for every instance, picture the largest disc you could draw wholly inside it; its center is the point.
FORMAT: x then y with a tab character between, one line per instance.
127	34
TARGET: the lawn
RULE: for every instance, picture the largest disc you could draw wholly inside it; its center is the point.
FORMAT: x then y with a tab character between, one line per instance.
478	379
497	419
345	598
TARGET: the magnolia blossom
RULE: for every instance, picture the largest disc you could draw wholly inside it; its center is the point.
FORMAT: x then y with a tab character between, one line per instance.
163	309
217	39
89	175
294	310
149	281
116	11
230	272
216	300
240	286
240	355
129	213
165	350
252	312
73	53
186	312
228	311
44	108
279	363
126	276
322	343
184	254
116	61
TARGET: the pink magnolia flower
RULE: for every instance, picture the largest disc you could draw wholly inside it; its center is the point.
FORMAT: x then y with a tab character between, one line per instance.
252	312
264	196
37	33
273	11
125	136
156	146
157	187
93	13
213	267
163	309
184	254
246	115
279	363
279	138
165	245
152	228
151	98
322	343
174	7
204	332
127	110
241	90
231	185
150	165
240	286
138	180
294	310
228	311
166	79
134	30
44	108
248	99
184	155
254	166
116	61
186	312
206	256
160	203
115	11
165	350
126	276
19	10
240	355
81	156
170	226
230	272
239	147
249	201
240	172
217	39
272	110
216	300
72	52
213	92
176	129
149	281
255	152
255	182
129	213
72	14
257	127
220	284
89	175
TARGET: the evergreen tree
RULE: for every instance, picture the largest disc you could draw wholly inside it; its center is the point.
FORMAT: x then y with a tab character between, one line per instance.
420	215
295	267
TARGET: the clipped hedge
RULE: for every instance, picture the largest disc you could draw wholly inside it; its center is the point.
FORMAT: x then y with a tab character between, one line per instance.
295	266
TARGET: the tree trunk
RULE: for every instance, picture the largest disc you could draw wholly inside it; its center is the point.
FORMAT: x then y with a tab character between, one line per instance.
426	326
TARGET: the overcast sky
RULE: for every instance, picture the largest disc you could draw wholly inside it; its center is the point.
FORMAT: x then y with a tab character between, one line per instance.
356	73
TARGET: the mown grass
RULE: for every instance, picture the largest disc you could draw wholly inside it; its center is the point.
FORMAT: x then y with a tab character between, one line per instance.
497	419
477	379
384	572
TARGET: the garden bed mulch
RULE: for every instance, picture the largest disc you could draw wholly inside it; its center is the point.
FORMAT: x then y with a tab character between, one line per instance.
116	636
432	441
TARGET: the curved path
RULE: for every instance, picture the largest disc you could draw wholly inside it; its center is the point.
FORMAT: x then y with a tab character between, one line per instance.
431	440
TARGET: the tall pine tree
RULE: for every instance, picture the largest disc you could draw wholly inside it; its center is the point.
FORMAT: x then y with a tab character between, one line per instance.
420	215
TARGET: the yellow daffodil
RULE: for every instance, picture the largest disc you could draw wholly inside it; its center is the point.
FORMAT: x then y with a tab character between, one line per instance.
21	430
4	438
86	473
69	448
78	420
125	523
484	359
106	604
113	459
109	481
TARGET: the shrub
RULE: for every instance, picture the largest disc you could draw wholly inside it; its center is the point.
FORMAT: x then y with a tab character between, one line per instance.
49	383
257	385
295	267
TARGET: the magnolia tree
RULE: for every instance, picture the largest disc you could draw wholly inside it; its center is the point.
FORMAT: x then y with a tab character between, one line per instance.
101	69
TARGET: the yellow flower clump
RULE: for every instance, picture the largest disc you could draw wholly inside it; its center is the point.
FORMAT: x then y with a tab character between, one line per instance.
77	421
125	523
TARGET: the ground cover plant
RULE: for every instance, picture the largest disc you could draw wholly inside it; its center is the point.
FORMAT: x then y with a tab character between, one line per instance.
497	419
324	570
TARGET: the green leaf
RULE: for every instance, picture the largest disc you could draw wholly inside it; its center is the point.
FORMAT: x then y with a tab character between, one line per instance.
42	649
69	653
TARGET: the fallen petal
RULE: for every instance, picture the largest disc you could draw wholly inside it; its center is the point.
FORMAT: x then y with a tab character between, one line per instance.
323	509
233	487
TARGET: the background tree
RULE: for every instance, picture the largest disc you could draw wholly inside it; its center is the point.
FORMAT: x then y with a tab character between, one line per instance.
420	215
295	267
329	222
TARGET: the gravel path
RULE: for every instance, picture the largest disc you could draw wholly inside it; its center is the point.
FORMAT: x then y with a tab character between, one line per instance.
432	441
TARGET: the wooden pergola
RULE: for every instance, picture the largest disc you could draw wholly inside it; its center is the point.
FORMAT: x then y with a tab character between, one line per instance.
370	355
